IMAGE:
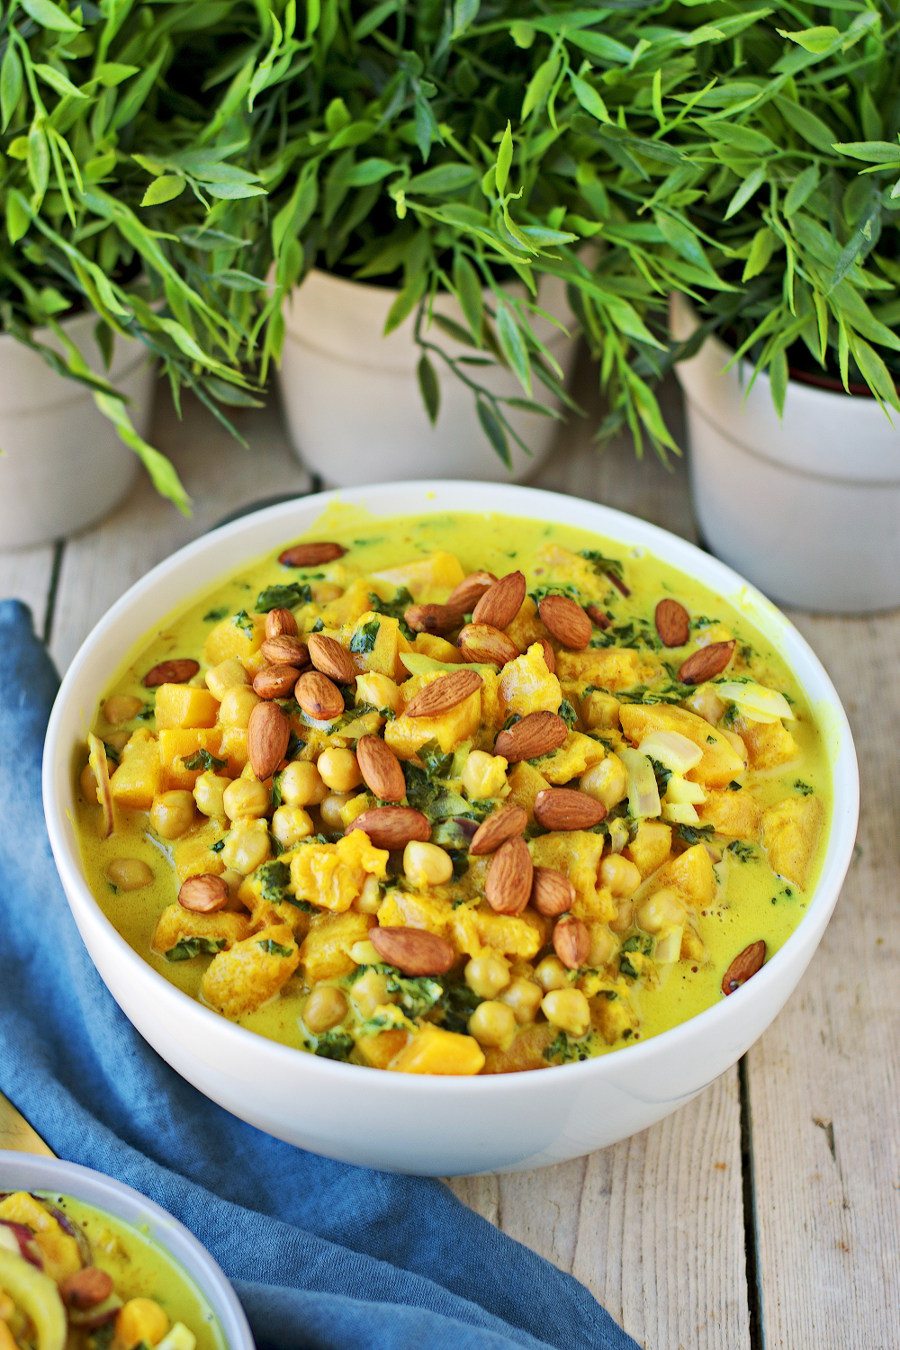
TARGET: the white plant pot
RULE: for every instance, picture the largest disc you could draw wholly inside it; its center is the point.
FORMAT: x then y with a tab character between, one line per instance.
352	400
62	466
807	506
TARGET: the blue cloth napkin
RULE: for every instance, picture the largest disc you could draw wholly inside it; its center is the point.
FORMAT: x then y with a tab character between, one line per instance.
322	1254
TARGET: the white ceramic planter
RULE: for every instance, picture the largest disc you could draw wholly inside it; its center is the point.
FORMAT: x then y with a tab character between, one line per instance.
62	466
807	506
352	400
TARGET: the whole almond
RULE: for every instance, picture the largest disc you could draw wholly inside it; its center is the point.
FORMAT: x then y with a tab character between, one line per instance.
318	696
464	597
535	734
311	555
392	827
549	654
280	623
572	942
203	894
86	1288
706	662
566	621
567	809
446	692
744	965
551	892
285	649
432	618
597	617
380	769
268	733
507	886
501	602
504	823
275	681
414	951
327	655
487	645
177	671
673	623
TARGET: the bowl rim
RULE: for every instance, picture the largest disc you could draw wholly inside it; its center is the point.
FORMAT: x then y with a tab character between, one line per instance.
618	526
103	1192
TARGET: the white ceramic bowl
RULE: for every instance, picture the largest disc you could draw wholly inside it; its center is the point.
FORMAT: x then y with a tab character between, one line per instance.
406	1122
25	1172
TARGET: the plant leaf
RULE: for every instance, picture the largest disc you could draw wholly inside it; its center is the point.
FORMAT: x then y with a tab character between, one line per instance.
513	346
48	15
10	84
493	429
164	189
504	160
429	387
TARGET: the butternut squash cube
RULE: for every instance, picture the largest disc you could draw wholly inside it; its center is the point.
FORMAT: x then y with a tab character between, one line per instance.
375	640
790	831
332	875
438	648
735	815
176	744
400	909
526	685
185	705
599	710
251	972
208	932
769	744
572	758
378	1051
193	855
720	762
691	875
429	579
138	778
325	951
233	638
525	782
577	854
433	1050
610	668
650	846
406	735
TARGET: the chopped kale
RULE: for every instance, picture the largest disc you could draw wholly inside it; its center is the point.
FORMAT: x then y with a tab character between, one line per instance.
202	759
285	596
695	834
457	1006
364	639
294	746
662	775
563	1050
460	859
741	850
213	615
218	845
112	753
190	947
437	763
734	785
418	995
147	713
274	878
639	943
395	608
603	566
540	592
730	715
243	621
273	948
317	626
635	632
334	1044
803	788
568	713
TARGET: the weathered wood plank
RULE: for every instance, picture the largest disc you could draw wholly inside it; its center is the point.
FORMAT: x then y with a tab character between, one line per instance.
26	574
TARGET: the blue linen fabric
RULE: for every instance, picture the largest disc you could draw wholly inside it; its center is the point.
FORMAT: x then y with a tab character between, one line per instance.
322	1254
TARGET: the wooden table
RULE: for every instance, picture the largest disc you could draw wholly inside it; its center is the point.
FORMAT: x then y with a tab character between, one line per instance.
763	1213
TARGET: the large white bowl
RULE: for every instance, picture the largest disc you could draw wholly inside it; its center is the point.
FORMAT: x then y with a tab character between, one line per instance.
25	1172
399	1121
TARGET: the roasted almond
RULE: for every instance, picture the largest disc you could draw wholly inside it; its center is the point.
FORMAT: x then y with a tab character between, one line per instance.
203	894
275	681
673	623
706	662
380	769
311	555
481	643
507	886
504	823
327	655
535	734
446	692
414	951
597	617
177	671
464	597
566	621
551	892
268	733
318	696
285	649
392	827
567	809
745	964
86	1288
572	942
280	623
549	654
432	618
501	602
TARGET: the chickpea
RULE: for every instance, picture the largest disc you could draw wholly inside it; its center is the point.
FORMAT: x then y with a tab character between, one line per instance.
245	797
369	899
364	953
290	824
301	784
325	1008
247	846
624	916
331	809
338	769
426	864
140	1320
226	675
620	875
706	703
493	1024
603	945
567	1009
129	874
487	974
484	775
87	785
524	997
236	706
370	991
551	974
378	690
121	708
606	782
172	813
209	790
662	909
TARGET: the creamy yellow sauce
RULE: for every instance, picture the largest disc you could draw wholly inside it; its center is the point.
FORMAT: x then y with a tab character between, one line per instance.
751	903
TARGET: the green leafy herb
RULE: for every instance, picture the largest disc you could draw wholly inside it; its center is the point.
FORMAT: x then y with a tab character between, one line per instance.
662	775
218	845
243	621
190	947
202	759
457	1006
285	596
743	851
396	607
364	638
635	632
564	1050
803	788
274	878
695	834
112	753
273	948
334	1044
734	786
418	995
639	943
603	566
437	763
212	615
568	713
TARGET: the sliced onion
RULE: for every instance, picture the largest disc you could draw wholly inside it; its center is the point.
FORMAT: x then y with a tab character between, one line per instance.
19	1239
643	794
672	750
100	765
37	1296
680	813
755	701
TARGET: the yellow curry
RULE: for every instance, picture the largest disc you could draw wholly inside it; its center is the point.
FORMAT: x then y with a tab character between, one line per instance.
75	1278
455	794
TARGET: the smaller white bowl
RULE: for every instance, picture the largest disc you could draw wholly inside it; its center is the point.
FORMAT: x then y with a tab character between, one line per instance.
26	1172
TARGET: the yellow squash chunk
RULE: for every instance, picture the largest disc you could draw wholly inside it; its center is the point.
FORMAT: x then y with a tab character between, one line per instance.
399	909
526	1051
332	875
790	831
377	642
515	936
732	814
598	709
609	668
356	600
577	854
178	744
769	744
429	579
555	562
526	627
138	778
180	925
433	1050
612	1018
230	639
378	1051
325	951
527	686
578	753
691	875
242	979
720	762
406	735
234	748
650	846
525	782
58	1248
193	854
185	705
438	648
